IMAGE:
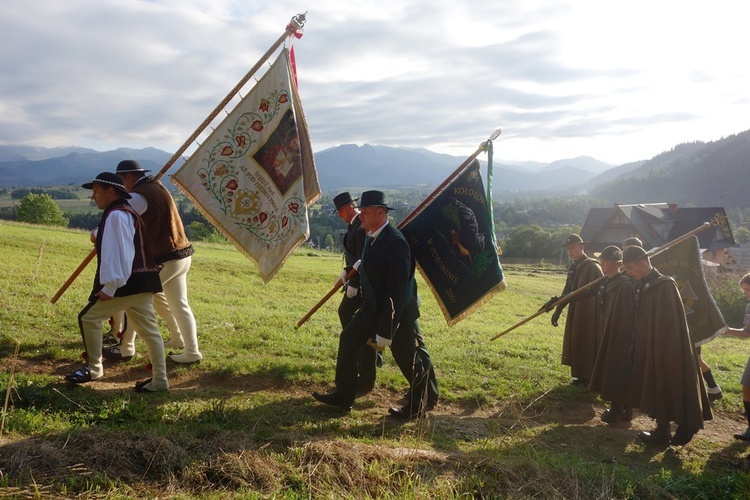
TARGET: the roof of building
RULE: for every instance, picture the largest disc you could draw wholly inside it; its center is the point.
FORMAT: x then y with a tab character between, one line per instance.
655	224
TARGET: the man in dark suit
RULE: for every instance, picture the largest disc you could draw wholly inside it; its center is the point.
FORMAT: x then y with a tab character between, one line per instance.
388	315
354	243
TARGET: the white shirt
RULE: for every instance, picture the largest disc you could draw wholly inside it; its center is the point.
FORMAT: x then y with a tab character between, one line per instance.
139	203
376	233
117	251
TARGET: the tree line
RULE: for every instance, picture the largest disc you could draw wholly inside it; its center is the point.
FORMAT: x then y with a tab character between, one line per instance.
525	227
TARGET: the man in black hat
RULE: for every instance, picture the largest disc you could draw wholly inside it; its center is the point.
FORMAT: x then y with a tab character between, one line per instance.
388	315
583	324
126	279
165	236
666	381
354	243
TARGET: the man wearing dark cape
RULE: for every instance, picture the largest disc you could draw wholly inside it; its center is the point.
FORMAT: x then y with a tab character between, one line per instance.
667	385
613	368
583	324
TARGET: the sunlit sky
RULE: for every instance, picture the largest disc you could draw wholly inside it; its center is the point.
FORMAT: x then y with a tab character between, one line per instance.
619	81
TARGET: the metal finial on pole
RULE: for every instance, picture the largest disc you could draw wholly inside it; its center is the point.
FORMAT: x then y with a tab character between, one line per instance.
297	22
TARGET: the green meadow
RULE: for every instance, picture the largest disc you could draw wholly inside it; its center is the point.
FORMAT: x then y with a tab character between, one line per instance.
243	424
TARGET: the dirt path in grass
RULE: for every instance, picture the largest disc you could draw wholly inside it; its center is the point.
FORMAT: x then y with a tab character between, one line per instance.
549	409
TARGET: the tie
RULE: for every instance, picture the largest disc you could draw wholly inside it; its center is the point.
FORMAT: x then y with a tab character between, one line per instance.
368	242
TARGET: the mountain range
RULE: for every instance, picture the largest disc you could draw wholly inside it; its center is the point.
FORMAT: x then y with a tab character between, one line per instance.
697	173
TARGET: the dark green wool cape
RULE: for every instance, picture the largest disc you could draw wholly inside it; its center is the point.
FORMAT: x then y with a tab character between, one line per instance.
583	323
614	366
667	384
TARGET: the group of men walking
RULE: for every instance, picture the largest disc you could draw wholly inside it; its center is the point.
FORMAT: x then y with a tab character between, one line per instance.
626	337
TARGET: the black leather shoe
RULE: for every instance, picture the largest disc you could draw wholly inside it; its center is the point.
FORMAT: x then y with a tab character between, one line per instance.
683	435
657	436
114	354
617	415
404	412
332	399
363	389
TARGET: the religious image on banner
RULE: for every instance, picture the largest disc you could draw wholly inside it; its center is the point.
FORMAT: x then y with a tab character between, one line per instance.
254	177
683	263
452	241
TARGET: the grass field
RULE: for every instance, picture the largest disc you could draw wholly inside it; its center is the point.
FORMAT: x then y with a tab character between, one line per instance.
242	423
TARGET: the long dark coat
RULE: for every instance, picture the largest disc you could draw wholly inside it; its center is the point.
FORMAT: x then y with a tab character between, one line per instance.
667	384
583	323
613	368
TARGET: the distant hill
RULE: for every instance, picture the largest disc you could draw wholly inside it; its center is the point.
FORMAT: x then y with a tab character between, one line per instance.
75	167
699	174
350	165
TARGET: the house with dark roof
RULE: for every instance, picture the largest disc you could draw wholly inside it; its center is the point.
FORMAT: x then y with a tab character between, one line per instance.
656	224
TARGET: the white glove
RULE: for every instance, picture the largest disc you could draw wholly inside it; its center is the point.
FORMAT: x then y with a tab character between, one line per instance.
382	343
342	276
351	291
356	265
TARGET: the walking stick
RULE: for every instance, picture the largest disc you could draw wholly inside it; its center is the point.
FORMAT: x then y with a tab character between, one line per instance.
482	147
297	22
566	298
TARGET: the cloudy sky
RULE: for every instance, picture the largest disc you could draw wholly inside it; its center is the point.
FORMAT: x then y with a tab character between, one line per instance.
619	81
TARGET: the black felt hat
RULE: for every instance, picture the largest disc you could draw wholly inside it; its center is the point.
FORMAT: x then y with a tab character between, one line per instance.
341	200
129	166
611	253
108	179
373	199
572	239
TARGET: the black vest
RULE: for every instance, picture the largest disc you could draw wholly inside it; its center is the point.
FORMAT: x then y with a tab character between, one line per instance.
144	276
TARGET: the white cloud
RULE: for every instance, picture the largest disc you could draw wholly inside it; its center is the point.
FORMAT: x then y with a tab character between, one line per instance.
619	82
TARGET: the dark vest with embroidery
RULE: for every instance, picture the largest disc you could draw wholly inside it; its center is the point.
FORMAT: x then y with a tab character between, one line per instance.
144	276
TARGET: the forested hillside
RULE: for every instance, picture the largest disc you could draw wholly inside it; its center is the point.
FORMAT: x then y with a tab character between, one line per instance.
698	174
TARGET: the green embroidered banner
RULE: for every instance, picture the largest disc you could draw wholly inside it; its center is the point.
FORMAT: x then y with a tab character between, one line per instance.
452	240
683	263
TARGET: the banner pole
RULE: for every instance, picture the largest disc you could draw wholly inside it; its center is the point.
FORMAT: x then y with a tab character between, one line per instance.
296	23
482	147
565	299
412	214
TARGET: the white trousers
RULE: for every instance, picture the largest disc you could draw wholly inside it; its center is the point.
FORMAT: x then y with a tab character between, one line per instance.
172	305
140	311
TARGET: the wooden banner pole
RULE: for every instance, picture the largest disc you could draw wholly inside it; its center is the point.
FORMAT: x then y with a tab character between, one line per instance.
297	22
482	147
565	299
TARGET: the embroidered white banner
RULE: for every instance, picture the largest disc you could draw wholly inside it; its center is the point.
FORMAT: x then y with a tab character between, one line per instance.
254	177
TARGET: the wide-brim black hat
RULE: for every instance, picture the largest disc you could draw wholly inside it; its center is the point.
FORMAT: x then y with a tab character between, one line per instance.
129	166
108	179
373	199
572	239
342	200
